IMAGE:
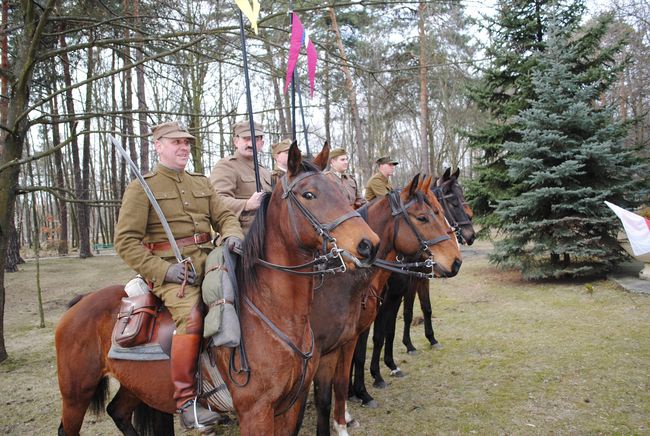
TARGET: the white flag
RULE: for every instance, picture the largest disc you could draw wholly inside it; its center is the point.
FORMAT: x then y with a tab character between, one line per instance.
636	227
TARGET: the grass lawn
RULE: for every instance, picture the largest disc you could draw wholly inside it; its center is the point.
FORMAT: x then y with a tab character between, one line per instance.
517	357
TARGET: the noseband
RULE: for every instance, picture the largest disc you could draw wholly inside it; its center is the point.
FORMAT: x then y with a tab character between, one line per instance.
323	230
400	210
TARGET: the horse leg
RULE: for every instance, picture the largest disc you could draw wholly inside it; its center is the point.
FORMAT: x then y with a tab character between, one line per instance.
357	372
79	389
342	419
409	300
257	420
121	408
425	305
289	422
390	322
323	391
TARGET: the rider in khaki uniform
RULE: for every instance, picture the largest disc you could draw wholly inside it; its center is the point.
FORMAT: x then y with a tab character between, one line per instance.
338	166
233	177
379	185
280	151
191	208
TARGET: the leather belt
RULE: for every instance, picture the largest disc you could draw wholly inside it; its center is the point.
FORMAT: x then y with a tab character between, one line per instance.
197	238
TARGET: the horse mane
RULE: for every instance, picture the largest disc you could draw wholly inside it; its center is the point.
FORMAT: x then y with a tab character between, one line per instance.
253	244
77	298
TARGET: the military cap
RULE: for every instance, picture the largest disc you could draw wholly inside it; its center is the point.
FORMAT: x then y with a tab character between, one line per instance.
171	130
243	128
337	152
281	146
386	160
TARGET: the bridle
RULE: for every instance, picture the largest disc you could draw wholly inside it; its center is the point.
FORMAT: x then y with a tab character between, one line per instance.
319	262
399	211
323	230
443	198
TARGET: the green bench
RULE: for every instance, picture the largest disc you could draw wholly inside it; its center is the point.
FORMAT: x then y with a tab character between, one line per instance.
98	247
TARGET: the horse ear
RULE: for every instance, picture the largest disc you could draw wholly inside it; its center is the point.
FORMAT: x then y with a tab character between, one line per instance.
457	173
323	157
426	184
447	174
294	159
413	186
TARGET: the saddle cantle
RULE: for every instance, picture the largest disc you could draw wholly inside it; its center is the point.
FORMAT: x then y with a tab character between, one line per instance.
143	330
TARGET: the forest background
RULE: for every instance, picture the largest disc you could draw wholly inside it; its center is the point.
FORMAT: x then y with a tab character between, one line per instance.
415	80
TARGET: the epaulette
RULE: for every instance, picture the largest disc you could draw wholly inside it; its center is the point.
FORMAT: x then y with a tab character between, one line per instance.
150	174
196	174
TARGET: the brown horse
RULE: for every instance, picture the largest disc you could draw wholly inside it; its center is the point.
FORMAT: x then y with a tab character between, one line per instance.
409	222
274	313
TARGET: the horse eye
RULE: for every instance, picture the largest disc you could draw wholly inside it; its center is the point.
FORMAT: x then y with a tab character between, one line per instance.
308	195
423	219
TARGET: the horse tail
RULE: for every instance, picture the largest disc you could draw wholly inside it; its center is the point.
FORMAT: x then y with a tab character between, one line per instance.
152	422
77	298
98	401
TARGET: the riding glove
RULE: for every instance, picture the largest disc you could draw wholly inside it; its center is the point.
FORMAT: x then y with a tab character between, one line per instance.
176	274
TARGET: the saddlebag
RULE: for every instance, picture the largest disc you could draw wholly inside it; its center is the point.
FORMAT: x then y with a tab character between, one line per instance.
136	320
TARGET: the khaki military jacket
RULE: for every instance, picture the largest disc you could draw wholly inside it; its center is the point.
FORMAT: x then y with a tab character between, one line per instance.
348	186
378	186
276	175
190	206
233	178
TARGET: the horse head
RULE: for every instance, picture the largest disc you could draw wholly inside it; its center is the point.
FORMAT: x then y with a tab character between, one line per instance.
426	231
457	211
316	215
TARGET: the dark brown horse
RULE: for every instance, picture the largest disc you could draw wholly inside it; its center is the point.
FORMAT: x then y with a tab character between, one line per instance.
289	230
459	215
409	222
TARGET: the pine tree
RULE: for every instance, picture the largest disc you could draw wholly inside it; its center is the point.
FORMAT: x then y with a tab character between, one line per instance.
517	34
569	159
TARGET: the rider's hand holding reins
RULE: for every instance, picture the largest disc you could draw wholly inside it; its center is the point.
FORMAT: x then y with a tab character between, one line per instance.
234	244
176	274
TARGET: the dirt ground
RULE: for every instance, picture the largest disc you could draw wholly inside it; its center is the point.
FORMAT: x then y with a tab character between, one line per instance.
517	357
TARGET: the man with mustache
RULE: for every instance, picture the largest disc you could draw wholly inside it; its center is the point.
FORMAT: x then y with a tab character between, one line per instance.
192	209
233	177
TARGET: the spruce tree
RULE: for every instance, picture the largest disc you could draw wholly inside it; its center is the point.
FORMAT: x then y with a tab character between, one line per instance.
517	34
569	159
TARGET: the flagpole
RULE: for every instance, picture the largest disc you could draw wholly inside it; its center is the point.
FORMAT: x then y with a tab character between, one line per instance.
249	103
302	114
293	91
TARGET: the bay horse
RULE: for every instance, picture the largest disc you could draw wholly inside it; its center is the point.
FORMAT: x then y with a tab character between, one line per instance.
274	315
458	213
409	222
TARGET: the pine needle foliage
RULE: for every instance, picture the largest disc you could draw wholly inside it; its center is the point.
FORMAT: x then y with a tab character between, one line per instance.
569	159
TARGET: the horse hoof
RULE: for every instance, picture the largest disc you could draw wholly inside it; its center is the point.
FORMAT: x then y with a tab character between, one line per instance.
397	373
413	352
355	399
354	423
437	346
380	384
372	404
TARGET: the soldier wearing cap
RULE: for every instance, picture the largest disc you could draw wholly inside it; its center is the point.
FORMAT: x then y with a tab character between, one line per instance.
338	166
191	208
280	151
379	184
233	177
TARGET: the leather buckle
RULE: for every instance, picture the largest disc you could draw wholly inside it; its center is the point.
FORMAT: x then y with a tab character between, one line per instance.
196	238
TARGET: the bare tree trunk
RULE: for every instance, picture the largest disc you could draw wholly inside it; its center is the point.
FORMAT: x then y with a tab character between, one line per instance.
142	103
326	90
284	133
27	37
13	250
62	206
352	99
424	96
128	92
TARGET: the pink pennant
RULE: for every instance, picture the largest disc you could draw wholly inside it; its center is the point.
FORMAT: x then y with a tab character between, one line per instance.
297	31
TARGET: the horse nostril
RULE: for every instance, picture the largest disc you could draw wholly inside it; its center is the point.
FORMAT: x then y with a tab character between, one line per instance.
456	267
365	248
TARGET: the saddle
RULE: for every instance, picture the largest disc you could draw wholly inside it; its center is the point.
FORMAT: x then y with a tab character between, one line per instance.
143	330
